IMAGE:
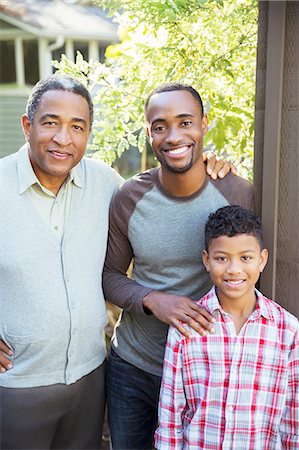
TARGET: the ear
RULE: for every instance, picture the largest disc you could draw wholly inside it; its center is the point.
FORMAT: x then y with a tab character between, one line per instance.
204	124
148	134
263	259
206	260
26	125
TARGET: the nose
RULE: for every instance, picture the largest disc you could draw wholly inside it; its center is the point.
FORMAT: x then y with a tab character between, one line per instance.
62	136
233	267
173	135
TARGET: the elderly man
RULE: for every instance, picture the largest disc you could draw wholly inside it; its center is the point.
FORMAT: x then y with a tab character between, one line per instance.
54	222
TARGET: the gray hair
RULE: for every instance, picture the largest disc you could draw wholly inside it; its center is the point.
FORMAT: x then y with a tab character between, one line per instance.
57	82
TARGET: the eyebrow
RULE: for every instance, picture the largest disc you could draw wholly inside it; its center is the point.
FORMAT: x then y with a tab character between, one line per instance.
179	116
55	116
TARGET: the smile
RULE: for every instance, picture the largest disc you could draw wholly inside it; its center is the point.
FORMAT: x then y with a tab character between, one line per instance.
234	283
178	151
59	155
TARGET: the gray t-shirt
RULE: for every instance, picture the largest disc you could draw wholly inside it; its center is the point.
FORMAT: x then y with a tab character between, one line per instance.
165	237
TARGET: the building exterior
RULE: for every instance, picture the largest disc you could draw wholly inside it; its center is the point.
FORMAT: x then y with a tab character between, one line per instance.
32	34
276	166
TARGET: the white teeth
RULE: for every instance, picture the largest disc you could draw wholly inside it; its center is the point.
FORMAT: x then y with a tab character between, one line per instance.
177	151
59	154
236	282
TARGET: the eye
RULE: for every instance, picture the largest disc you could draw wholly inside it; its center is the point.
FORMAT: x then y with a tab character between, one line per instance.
49	123
246	258
78	127
186	123
159	128
221	258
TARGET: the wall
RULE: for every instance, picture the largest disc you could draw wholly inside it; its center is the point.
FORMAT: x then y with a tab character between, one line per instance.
277	147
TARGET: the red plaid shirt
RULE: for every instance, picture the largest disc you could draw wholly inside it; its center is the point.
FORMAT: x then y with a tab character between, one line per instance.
228	391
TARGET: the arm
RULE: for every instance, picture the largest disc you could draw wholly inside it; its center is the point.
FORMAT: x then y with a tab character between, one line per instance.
289	427
5	362
131	296
216	167
172	402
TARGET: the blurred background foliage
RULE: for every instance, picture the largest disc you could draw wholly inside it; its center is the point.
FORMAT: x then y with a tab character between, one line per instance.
210	44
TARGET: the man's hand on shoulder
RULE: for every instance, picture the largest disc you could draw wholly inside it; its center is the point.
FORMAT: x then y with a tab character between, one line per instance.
217	167
173	309
5	362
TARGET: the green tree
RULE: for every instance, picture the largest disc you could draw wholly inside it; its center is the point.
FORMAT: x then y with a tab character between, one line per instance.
210	44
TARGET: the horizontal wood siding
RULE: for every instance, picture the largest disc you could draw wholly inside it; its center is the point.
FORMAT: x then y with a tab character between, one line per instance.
12	107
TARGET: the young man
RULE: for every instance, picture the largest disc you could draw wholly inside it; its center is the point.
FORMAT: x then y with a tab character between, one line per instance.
158	219
53	235
238	388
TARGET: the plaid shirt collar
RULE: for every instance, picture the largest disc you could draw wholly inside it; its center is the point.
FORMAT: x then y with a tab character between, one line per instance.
262	307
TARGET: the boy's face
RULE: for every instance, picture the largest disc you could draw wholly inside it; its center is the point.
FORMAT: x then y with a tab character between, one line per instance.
235	264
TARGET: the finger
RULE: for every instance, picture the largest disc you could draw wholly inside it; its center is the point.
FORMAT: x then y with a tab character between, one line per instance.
201	325
211	162
5	349
233	169
200	311
175	323
220	169
207	155
227	167
5	364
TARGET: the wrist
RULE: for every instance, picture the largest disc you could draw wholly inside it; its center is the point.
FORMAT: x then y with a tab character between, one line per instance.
147	303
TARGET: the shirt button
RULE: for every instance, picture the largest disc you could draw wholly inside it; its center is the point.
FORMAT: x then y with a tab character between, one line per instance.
230	408
56	227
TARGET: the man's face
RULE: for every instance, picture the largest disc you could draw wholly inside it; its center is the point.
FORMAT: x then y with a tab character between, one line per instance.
58	135
176	129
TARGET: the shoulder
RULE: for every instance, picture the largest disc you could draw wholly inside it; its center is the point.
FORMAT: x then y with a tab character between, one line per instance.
99	172
135	188
236	190
9	160
283	318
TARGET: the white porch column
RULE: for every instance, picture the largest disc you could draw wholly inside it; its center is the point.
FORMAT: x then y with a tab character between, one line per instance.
19	59
93	50
44	58
69	49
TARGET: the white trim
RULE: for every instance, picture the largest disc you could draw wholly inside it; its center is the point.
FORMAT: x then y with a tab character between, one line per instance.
110	36
93	50
19	59
69	49
43	58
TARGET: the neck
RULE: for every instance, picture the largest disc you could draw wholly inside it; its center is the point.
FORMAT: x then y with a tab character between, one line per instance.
183	184
241	307
239	310
53	184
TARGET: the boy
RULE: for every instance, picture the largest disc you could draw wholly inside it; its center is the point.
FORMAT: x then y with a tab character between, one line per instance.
238	388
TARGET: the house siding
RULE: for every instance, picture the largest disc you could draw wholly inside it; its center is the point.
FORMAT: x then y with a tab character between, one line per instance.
12	107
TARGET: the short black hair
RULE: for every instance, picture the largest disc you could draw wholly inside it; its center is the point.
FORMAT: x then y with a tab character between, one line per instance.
175	86
57	82
231	221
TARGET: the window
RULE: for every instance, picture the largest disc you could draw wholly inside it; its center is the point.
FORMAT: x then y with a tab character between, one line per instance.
31	61
8	63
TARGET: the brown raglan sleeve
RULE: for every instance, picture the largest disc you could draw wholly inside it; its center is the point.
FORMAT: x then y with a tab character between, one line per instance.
237	190
118	287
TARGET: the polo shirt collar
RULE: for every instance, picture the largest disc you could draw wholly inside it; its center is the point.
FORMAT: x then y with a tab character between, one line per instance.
27	177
